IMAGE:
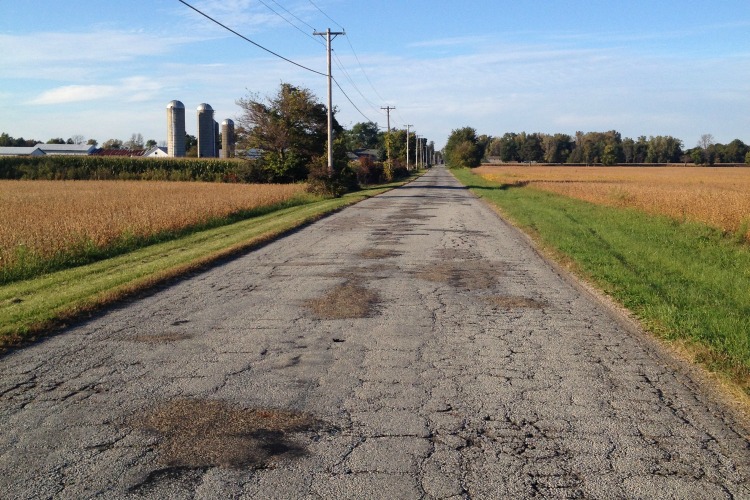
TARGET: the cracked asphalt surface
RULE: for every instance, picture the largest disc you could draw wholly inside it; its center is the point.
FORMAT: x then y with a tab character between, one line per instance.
411	346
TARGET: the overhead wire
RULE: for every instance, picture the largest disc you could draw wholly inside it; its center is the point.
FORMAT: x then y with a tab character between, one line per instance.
329	17
294	16
317	40
339	63
351	81
250	41
350	101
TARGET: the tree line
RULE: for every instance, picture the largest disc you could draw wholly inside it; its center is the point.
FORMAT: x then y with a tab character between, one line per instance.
288	132
466	148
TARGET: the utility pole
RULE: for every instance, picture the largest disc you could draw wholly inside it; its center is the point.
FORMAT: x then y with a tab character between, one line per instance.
416	151
328	34
388	140
407	145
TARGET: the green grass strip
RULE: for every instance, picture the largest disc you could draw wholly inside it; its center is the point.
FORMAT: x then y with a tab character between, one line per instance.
32	306
684	281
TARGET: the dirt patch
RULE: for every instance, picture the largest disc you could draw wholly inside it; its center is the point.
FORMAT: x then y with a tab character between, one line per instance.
350	299
379	253
204	433
161	338
512	302
453	254
469	275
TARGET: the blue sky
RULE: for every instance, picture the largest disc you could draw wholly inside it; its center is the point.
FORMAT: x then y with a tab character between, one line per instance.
108	69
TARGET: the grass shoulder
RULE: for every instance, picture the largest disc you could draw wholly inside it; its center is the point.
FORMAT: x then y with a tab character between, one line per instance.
32	307
687	283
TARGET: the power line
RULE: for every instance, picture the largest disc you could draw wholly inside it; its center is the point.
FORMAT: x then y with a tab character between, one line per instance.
329	17
350	101
363	69
293	15
250	41
348	77
289	22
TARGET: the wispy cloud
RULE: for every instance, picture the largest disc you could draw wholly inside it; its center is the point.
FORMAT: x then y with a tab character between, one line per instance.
133	89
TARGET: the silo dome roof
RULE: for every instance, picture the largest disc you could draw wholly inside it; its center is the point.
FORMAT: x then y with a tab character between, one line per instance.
227	122
205	107
176	104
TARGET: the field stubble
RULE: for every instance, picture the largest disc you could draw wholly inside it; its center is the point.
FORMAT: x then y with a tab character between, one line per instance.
44	220
718	197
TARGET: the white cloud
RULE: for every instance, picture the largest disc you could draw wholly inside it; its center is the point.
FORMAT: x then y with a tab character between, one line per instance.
73	93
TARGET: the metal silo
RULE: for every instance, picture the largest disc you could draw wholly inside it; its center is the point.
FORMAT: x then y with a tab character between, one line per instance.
176	129
227	139
206	132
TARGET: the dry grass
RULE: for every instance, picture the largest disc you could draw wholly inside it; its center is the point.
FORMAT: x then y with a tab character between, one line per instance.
46	218
348	300
205	433
718	197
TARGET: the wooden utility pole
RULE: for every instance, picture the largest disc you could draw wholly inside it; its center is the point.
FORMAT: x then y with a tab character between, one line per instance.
388	140
407	145
328	34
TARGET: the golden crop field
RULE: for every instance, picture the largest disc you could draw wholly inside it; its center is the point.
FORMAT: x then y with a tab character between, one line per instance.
49	217
719	197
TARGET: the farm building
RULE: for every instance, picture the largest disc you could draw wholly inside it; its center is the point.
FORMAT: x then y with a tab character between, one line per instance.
157	152
21	151
66	149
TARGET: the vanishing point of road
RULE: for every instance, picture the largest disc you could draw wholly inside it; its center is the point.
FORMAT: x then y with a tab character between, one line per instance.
411	346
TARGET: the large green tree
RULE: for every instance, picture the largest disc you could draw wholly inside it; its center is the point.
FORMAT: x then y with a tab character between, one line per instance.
462	149
290	128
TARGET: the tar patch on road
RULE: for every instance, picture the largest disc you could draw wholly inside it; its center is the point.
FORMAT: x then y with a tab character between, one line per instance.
197	434
469	275
161	338
350	299
512	302
379	253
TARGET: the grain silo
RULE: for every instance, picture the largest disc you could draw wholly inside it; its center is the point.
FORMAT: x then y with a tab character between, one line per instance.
227	139
176	129
206	132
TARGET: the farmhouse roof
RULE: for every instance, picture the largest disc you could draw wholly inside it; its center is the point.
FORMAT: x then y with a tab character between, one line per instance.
21	151
66	149
118	152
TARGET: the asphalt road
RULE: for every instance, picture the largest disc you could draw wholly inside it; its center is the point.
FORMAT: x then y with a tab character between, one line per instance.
411	346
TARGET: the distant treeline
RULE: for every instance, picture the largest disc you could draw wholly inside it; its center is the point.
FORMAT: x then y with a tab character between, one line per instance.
125	168
608	148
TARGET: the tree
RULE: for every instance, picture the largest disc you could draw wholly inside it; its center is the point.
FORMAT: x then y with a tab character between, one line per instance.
150	143
92	142
705	143
112	144
289	127
78	139
135	142
363	135
56	140
462	149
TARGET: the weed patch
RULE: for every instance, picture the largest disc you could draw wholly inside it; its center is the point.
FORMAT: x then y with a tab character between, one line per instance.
203	433
350	299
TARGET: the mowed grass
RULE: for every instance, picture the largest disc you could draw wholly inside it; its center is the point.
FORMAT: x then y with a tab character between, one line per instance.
33	306
51	225
686	281
716	196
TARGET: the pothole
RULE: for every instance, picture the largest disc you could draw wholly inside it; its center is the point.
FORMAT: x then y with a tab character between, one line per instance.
379	253
513	302
453	254
470	274
208	433
350	299
161	338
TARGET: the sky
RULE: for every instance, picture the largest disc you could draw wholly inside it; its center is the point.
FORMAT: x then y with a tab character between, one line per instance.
104	69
